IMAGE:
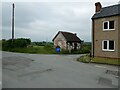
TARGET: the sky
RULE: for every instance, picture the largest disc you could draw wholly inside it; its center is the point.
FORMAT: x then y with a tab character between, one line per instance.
41	20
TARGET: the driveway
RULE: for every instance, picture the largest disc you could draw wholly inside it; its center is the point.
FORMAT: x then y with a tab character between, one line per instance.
54	71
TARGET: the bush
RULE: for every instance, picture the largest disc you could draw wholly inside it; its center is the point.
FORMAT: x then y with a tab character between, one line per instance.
84	59
0	44
16	43
64	51
85	49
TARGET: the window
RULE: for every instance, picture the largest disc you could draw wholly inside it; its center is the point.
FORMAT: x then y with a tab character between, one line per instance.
111	24
105	25
105	44
60	44
108	45
108	25
111	45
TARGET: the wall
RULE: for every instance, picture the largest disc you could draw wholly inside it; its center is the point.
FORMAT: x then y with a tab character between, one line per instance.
100	35
60	39
119	37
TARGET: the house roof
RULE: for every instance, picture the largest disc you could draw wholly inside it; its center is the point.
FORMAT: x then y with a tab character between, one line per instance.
70	37
107	11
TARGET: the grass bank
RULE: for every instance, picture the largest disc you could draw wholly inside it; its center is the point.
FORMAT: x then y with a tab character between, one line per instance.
109	61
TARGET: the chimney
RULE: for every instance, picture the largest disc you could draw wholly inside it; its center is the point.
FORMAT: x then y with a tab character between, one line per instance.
98	6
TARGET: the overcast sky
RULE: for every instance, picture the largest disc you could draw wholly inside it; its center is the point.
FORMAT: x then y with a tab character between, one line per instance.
40	21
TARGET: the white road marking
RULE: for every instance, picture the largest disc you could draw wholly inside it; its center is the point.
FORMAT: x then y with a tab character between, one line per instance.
98	66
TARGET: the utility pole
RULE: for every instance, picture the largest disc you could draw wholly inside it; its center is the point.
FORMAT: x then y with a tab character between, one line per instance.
13	6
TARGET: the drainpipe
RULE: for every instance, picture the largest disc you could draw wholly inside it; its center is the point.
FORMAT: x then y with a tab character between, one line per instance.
93	37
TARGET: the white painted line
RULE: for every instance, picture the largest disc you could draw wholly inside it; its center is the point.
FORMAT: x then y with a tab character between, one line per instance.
98	66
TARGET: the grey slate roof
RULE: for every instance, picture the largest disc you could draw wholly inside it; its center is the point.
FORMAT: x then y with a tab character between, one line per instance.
70	37
107	11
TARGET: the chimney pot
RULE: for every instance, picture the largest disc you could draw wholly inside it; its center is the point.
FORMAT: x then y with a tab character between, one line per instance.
98	6
75	34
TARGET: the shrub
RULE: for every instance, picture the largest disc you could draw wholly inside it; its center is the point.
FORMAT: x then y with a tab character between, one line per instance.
16	43
85	59
64	51
85	49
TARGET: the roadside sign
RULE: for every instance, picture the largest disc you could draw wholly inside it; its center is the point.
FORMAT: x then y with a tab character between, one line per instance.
57	49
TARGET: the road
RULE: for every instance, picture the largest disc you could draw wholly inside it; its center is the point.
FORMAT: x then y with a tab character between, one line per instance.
0	70
53	71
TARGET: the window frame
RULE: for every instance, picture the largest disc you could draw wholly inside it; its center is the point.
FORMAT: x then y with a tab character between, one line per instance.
107	45
108	23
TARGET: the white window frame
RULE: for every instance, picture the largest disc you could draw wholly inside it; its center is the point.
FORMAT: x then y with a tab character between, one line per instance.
108	26
107	45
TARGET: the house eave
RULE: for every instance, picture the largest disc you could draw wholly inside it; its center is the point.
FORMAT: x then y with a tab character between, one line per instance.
104	16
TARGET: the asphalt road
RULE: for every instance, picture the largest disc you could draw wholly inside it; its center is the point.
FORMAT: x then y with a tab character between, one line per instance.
54	71
0	70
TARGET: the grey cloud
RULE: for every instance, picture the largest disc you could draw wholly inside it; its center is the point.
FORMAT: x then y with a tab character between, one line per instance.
41	21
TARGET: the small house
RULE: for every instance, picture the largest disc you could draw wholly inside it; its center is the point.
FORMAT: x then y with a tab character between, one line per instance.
67	41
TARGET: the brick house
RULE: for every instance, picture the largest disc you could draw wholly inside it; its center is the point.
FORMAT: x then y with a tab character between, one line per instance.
106	31
67	41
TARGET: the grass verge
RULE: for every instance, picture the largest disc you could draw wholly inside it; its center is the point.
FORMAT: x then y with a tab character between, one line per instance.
88	59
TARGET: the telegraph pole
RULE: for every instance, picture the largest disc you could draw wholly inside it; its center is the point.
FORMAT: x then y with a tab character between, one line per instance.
13	6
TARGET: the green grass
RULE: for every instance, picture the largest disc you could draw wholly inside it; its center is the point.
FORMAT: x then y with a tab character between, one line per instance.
47	49
87	59
33	50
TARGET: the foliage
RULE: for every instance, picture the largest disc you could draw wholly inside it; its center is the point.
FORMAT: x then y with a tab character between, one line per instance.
64	51
85	49
0	44
42	43
84	59
86	43
25	46
35	50
16	43
50	49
